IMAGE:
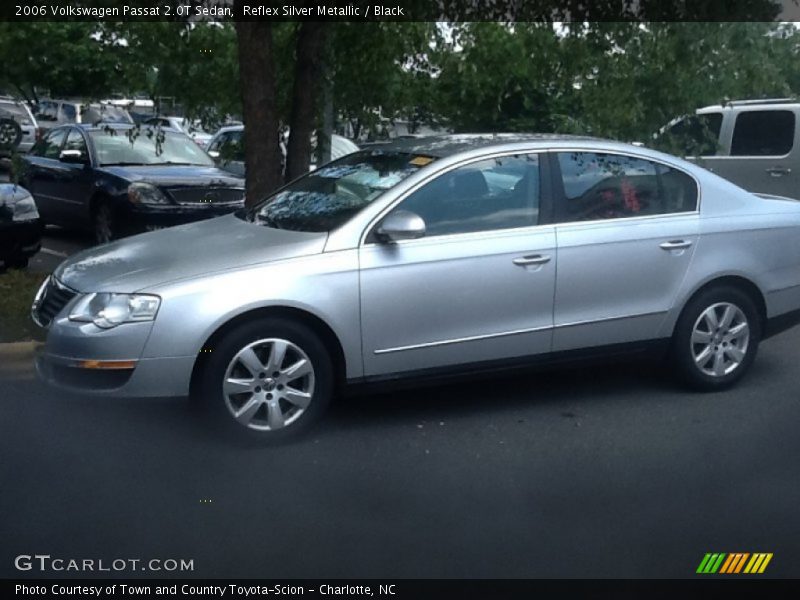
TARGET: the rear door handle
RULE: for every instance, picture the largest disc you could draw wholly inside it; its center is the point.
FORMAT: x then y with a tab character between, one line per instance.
778	171
532	259
675	245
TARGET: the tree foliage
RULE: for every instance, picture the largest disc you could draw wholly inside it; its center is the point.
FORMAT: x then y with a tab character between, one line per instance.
623	80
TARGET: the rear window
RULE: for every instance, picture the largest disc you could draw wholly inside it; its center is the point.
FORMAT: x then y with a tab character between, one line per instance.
763	133
695	135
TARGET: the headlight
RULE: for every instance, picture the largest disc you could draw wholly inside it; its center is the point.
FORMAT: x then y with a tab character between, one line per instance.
25	210
107	310
145	193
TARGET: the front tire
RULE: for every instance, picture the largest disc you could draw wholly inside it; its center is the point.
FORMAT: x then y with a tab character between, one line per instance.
716	338
105	223
267	380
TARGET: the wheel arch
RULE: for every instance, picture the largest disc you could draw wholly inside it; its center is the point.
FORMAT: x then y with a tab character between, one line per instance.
314	322
737	281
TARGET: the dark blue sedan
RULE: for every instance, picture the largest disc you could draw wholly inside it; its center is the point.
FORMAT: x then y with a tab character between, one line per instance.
119	180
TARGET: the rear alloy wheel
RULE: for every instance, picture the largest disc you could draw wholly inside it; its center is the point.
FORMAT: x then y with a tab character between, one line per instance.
268	380
105	223
716	338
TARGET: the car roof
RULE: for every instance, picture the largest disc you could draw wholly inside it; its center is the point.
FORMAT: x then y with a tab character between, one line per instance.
442	146
767	103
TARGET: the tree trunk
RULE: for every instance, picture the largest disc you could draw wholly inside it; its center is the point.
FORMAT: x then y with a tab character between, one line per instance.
307	85
262	156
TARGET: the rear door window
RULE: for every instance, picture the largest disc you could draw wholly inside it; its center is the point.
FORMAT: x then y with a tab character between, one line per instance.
763	133
601	186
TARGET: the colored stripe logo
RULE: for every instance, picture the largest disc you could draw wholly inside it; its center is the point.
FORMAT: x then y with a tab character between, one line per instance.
734	563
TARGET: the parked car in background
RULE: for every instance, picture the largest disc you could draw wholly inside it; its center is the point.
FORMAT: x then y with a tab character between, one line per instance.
193	129
51	113
18	127
10	134
430	257
227	149
20	227
753	143
17	111
118	180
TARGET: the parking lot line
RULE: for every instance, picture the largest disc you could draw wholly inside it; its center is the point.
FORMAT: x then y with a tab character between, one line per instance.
54	252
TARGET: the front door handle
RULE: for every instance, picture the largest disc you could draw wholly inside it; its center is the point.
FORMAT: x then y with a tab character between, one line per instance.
532	259
675	245
778	171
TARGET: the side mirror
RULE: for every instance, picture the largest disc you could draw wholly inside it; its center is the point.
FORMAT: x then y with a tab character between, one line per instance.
72	156
214	154
401	225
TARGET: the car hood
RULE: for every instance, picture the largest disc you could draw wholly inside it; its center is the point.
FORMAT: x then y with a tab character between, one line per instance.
187	251
177	175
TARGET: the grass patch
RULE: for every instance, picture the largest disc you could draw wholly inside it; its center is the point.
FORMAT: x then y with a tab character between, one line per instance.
17	289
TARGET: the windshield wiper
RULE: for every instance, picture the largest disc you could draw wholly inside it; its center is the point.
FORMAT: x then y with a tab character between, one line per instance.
124	164
180	164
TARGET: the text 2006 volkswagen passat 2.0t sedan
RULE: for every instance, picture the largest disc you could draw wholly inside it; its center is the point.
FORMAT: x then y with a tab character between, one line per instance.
424	257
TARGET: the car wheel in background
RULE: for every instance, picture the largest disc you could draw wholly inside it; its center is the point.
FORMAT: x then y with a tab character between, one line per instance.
716	338
267	380
10	134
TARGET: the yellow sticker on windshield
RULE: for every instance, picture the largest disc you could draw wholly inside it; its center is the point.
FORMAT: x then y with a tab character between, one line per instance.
420	161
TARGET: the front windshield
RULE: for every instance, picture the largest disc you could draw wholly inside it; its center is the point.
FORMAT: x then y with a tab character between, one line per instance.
146	147
328	197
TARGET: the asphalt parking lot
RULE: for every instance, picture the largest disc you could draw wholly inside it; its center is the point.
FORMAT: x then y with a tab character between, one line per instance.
606	471
603	471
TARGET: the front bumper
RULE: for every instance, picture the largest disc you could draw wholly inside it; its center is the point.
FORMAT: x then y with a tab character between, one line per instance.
82	358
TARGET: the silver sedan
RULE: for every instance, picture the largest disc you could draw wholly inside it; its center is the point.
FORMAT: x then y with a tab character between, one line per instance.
425	258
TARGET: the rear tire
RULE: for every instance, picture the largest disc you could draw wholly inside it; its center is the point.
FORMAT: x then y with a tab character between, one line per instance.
267	380
716	338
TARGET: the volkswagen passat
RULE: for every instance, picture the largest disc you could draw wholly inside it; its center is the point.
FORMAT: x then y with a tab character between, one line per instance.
428	257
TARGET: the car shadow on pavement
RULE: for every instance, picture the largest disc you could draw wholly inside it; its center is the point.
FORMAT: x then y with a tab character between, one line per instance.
557	386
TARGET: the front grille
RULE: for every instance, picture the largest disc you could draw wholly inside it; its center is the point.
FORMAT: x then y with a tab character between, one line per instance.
54	297
206	195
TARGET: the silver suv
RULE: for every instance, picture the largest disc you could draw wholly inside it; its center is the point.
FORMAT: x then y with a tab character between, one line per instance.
753	143
22	137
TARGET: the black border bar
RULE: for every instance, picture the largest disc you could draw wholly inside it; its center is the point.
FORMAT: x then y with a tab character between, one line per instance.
412	589
392	10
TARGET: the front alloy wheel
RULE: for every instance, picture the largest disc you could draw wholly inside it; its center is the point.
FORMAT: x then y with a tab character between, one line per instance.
716	338
269	384
267	379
